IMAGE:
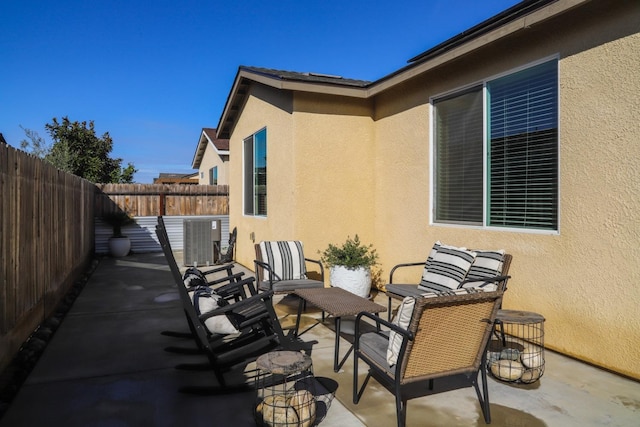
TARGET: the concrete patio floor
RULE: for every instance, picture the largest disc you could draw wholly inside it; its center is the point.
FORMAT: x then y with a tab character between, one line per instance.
106	366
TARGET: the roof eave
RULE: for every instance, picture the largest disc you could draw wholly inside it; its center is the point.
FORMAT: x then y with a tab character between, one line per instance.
202	145
452	49
245	76
448	54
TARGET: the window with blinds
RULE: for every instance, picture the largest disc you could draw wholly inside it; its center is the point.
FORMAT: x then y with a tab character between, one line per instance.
255	174
521	168
459	165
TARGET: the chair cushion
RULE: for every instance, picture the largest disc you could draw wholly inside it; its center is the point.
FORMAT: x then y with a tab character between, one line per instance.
397	289
374	346
286	259
448	267
402	319
205	300
287	286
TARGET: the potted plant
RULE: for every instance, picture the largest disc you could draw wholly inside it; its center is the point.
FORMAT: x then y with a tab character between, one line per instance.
119	244
350	265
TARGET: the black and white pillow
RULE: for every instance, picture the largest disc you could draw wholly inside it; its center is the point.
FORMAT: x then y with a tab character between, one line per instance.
205	300
193	277
448	267
286	259
487	265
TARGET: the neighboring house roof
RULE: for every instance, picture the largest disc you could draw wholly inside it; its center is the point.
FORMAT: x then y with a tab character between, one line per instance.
176	178
520	17
2	140
208	136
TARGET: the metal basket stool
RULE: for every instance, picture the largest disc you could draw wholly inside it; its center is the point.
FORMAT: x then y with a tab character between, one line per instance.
516	354
286	394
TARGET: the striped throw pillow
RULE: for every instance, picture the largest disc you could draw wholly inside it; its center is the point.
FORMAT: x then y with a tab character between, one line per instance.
447	269
487	265
286	259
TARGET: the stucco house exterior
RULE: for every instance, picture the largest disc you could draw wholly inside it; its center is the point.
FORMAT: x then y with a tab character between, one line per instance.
521	133
211	158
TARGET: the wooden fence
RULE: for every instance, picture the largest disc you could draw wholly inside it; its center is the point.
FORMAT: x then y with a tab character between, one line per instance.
46	243
47	235
163	199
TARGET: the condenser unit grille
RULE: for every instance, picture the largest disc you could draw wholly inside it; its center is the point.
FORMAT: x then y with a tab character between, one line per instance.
198	242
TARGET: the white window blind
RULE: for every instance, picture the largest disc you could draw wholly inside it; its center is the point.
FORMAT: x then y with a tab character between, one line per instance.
523	149
521	141
459	160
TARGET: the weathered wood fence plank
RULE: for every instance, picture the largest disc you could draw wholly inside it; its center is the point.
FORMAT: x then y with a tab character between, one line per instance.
46	229
47	235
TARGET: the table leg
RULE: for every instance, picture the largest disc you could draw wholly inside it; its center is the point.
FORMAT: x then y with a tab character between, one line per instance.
336	366
300	308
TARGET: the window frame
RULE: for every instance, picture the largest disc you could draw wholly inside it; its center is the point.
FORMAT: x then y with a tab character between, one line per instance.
250	195
213	175
485	152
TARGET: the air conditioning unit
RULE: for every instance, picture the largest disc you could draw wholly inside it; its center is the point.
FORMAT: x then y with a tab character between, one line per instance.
201	241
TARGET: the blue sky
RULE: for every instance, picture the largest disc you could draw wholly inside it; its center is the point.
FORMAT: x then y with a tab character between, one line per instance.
153	73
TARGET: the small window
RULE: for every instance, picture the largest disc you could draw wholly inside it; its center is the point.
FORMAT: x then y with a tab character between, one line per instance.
255	174
213	176
514	120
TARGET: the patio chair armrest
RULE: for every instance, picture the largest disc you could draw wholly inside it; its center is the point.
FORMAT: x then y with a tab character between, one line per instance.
408	264
266	266
260	298
231	278
495	279
233	289
315	261
380	321
228	268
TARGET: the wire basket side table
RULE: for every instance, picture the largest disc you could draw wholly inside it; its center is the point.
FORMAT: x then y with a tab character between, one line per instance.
516	352
286	394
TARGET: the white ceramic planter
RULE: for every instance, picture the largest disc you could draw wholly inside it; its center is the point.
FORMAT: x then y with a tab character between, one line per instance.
357	281
119	246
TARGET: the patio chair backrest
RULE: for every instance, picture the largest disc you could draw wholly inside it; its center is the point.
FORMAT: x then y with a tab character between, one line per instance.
450	335
285	259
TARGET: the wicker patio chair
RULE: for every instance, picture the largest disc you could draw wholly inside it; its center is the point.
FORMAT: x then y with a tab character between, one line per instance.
446	336
477	277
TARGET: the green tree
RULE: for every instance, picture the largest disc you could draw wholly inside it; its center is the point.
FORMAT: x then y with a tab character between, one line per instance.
78	150
34	143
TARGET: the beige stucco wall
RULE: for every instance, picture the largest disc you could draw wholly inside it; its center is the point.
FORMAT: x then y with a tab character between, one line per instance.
270	109
307	199
334	181
341	166
583	279
210	158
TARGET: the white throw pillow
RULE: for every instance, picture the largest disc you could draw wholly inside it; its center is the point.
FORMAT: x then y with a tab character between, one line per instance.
402	319
206	300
